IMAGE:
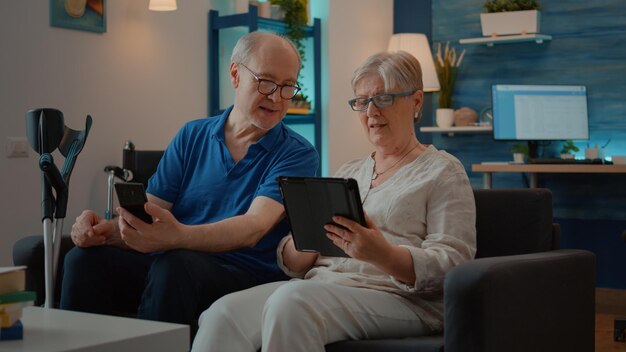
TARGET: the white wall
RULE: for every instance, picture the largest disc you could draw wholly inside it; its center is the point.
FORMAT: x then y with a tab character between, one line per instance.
142	80
356	30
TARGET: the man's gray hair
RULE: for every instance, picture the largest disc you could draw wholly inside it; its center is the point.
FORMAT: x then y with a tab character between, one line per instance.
247	44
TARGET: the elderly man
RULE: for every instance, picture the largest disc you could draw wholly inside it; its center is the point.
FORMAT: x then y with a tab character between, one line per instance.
217	211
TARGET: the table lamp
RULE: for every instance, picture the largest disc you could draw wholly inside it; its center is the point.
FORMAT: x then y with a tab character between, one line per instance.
417	45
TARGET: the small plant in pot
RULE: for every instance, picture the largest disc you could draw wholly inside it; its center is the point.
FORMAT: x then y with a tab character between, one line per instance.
299	104
296	18
520	152
567	149
446	64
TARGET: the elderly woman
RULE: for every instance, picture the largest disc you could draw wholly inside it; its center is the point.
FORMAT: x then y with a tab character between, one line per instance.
420	223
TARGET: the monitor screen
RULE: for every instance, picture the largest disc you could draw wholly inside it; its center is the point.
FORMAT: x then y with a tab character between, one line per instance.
539	112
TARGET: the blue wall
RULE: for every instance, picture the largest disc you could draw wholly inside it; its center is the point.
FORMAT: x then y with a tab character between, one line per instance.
588	47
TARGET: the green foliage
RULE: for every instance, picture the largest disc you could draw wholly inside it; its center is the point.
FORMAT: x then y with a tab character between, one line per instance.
569	147
300	97
510	5
520	148
296	21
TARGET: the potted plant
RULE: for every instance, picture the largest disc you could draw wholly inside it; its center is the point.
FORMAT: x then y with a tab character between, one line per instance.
510	17
296	18
299	104
520	152
567	149
446	65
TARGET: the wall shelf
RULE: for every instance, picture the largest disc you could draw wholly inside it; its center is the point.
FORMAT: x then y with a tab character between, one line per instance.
253	22
457	129
508	39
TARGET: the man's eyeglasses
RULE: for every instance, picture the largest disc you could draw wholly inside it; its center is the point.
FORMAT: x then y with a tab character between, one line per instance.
381	100
267	87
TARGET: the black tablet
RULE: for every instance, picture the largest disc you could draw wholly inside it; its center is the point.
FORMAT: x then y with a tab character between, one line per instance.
311	202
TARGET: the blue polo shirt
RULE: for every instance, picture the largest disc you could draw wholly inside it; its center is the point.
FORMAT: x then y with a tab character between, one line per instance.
199	177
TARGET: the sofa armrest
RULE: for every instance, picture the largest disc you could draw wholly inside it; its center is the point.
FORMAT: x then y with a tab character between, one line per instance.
29	251
532	302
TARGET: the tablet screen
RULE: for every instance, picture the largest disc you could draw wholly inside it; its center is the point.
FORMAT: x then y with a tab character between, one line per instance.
311	202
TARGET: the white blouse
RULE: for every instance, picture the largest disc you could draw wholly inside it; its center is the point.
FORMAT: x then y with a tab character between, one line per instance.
428	207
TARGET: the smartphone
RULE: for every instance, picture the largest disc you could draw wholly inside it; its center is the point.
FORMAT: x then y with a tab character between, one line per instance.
132	197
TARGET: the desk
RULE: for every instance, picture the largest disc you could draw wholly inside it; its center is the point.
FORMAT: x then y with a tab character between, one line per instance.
54	330
534	169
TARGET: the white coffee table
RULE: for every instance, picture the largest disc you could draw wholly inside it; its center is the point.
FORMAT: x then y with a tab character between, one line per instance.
54	330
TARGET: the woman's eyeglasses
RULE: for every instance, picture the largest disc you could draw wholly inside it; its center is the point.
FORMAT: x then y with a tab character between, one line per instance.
381	100
267	87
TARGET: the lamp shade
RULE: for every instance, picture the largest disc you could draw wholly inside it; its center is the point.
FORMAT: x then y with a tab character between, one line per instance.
162	5
417	45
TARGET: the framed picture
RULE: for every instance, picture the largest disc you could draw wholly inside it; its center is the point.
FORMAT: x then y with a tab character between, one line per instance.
86	15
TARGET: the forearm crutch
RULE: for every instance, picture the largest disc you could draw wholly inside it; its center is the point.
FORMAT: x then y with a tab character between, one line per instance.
46	132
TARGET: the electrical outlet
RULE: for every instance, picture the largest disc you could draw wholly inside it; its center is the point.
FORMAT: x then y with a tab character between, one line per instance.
17	147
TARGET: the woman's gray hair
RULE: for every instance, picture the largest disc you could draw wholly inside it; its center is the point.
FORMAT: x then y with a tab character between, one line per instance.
398	70
247	44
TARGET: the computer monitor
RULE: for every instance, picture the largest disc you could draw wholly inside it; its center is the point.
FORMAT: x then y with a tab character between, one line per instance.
539	113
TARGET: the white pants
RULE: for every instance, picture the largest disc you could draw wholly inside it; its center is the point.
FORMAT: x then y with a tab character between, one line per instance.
302	315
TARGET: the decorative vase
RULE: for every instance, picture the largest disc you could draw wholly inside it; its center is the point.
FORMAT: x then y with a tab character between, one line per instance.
444	117
594	153
465	117
510	22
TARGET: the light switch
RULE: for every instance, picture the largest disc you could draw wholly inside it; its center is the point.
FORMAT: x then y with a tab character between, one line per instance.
17	147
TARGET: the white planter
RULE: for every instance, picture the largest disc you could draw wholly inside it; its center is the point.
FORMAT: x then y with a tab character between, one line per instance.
518	158
567	156
508	23
444	117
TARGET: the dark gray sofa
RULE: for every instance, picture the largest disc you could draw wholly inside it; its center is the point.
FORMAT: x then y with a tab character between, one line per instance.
521	293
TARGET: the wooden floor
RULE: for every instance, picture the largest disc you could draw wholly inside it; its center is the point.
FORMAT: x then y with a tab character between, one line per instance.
610	304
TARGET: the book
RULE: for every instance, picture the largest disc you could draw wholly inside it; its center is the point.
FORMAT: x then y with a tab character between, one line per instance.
18	296
12	278
12	312
13	332
9	307
9	318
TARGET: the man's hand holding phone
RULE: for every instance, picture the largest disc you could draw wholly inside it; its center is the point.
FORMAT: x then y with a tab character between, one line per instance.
132	197
146	236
